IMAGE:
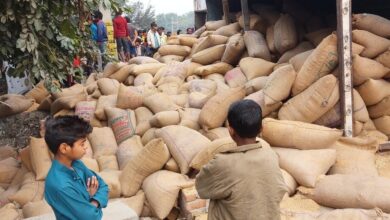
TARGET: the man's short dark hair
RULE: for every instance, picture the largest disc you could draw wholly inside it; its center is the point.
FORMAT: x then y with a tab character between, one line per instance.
153	24
245	118
65	129
128	19
97	15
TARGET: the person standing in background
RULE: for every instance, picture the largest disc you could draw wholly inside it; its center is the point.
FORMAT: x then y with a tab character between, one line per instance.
189	31
133	34
99	35
153	39
178	32
163	37
121	35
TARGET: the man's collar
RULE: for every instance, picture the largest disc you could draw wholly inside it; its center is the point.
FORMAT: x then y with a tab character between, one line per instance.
243	148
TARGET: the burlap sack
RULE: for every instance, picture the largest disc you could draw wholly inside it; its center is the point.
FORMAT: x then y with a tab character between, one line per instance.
103	142
170	88
174	50
111	178
209	55
107	163
351	191
165	118
298	60
143	115
217	133
122	122
256	45
148	136
259	98
144	79
183	143
73	90
255	67
40	157
38	208
214	25
180	99
172	41
170	58
319	63
135	202
235	47
86	110
269	37
199	31
331	118
312	103
187	40
103	102
302	47
111	68
8	169
228	30
215	110
10	211
384	59
220	68
149	160
364	69
235	78
279	84
128	149
11	104
299	135
7	151
91	164
142	60
67	102
108	86
151	68
207	42
285	34
208	153
122	74
128	98
373	23
256	23
373	91
31	190
373	44
38	93
160	102
380	109
290	182
255	84
171	165
162	190
317	36
383	124
206	34
306	165
360	112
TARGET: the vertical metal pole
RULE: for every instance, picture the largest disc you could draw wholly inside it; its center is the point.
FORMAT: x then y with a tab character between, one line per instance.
245	13
344	38
225	4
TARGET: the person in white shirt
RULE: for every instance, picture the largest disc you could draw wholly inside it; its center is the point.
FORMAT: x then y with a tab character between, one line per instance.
153	39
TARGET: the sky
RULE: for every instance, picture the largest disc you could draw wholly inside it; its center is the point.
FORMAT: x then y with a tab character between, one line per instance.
175	6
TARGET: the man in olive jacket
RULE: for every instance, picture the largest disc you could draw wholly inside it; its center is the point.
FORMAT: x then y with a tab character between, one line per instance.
245	181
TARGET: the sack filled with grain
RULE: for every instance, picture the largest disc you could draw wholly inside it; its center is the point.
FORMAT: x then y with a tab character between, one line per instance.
143	115
269	37
214	25
165	118
111	178
255	67
189	117
235	78
372	23
103	102
91	164
209	55
256	23
151	68
298	60
38	93
332	118
285	34
373	91
259	98
128	98
103	141
380	109
298	135
306	165
68	102
31	190
40	157
11	104
373	44
217	133
255	84
290	182
8	169
135	202
174	50
279	84
149	160
209	41
220	68
111	68
128	149
235	47
317	36
143	79
360	112
160	102
383	124
122	122
108	86
256	45
187	40
302	47
365	68
35	209
142	60
384	59
312	103
170	58
122	74
228	30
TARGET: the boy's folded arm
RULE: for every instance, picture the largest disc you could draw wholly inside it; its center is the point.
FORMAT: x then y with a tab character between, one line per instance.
101	195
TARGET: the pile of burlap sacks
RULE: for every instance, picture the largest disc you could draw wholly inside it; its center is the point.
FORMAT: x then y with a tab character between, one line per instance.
156	119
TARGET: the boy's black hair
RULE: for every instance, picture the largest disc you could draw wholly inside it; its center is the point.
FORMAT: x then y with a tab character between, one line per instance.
245	118
97	15
153	24
65	129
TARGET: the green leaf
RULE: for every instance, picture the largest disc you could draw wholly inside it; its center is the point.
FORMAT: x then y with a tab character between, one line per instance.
49	33
37	24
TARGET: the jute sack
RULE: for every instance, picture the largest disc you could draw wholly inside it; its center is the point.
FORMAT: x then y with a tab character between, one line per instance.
107	163
9	211
165	118
198	100
128	149
108	86
25	158
68	102
143	79
174	50
122	122
7	151
38	93
383	124
332	118
91	79
234	49
259	98
171	88
199	31
214	25
173	41
103	102
91	164
64	112
188	40
373	91
38	208
86	110
148	136
103	141
373	44
128	98
373	23
351	191
111	178
209	41
235	78
217	133
171	165
183	143
14	186
256	23
122	74
135	202
170	58
31	190
279	84
255	84
142	115
285	34
302	47
208	153
360	112
216	108
180	99
111	68
228	30
298	135
255	67
151	68
306	165
142	60
209	55
380	109
336	214
352	160
384	59
160	102
205	86
317	36
298	60
290	182
73	90
8	169
269	37
149	160
364	69
220	68
312	103
11	104
256	45
40	157
319	63
162	190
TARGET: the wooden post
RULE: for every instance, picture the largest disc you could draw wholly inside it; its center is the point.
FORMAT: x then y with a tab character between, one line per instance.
225	4
344	38
245	13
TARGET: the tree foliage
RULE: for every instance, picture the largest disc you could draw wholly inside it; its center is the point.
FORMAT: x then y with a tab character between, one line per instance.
141	16
173	22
